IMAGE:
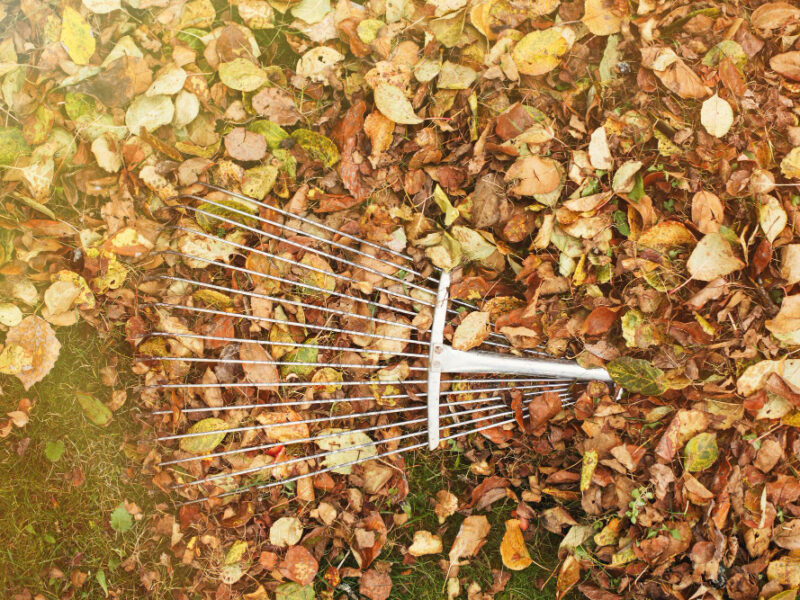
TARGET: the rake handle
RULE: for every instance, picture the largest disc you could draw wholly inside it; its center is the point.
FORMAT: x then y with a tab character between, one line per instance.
445	359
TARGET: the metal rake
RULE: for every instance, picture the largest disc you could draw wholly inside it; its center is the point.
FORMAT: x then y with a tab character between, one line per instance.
293	315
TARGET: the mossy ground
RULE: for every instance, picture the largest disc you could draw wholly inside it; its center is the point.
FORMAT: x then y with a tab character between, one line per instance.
48	524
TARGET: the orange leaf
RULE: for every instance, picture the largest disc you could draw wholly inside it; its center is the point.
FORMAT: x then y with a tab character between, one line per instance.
513	549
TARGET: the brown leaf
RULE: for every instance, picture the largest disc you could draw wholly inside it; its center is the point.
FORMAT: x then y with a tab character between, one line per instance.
375	585
245	145
299	565
707	211
543	408
257	371
534	175
276	105
787	64
470	538
599	321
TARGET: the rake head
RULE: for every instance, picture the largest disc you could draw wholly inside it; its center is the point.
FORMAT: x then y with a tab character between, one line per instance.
286	348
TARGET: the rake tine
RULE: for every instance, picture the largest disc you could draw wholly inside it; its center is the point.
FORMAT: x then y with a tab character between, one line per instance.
300	265
311	235
376	457
310	222
306	248
289	344
168	386
335	311
301	284
248	471
555	387
222	313
278	363
362	430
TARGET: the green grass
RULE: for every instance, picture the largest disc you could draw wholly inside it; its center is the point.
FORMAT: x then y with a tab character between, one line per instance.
46	522
48	525
425	579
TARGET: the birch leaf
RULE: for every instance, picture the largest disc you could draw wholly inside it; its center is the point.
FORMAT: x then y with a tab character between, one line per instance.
392	102
716	115
76	36
712	257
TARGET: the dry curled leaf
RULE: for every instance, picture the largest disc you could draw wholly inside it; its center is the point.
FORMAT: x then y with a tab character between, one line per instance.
37	350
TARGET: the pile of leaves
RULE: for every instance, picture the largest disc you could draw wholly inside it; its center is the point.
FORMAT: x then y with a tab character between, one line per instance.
626	171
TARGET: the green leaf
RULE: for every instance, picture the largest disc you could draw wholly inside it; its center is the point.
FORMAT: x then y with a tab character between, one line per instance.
272	132
54	450
12	145
444	204
317	145
100	576
97	412
294	591
701	452
301	355
202	444
211	224
638	375
121	519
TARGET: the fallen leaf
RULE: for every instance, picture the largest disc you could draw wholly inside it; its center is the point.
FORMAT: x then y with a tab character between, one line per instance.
203	444
424	543
472	331
245	145
601	18
771	217
707	211
375	585
299	565
76	36
701	452
470	538
285	531
39	348
716	116
541	51
394	105
712	257
599	152
513	550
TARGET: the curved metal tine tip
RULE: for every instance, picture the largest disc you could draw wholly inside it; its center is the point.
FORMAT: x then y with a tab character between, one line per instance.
309	221
359	460
294	263
302	246
300	284
406	423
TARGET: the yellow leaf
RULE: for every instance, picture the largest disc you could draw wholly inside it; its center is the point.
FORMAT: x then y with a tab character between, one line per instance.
713	257
540	52
76	36
568	575
589	465
391	101
600	18
716	115
513	549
